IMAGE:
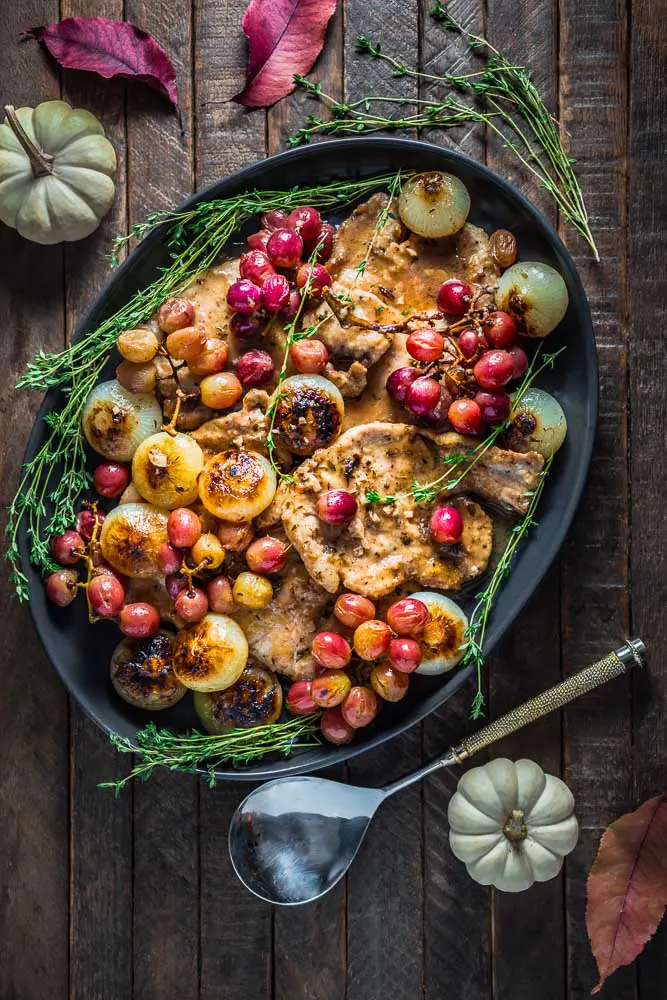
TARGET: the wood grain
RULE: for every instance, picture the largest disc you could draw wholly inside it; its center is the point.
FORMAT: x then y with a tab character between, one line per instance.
33	704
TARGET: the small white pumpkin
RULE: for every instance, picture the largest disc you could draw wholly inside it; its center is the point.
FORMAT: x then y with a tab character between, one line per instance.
56	170
512	824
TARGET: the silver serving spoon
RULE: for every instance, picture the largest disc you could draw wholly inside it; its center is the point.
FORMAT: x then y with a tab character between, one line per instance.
291	840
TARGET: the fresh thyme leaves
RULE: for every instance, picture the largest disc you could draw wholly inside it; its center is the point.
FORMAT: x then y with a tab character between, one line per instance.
380	223
478	621
372	497
53	480
155	747
508	97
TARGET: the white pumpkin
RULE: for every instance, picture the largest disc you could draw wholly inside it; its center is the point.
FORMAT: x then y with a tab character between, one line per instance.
512	824
56	170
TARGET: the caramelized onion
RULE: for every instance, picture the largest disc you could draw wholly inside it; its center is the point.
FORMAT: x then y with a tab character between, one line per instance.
434	204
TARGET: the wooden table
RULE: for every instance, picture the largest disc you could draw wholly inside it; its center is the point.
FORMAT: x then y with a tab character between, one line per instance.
135	897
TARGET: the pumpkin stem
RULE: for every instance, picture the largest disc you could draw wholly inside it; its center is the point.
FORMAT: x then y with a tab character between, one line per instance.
41	162
515	829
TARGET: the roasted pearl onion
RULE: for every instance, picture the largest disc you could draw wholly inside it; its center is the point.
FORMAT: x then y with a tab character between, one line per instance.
116	421
434	205
210	655
537	424
142	672
309	413
237	485
131	537
255	700
165	469
443	634
535	295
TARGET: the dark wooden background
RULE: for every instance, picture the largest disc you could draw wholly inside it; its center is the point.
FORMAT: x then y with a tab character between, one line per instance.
135	898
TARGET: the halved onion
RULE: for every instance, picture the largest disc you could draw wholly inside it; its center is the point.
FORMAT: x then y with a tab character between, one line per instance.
434	204
165	468
443	635
210	655
535	295
309	413
131	536
142	672
537	424
116	421
237	485
255	700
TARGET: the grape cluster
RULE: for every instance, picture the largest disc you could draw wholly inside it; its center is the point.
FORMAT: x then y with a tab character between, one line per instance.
349	691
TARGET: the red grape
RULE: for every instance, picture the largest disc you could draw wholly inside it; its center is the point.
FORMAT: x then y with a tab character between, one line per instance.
275	292
174	584
446	525
111	478
306	221
438	415
139	620
470	342
408	616
494	369
360	707
425	345
336	507
191	605
334	728
61	587
220	391
106	595
183	527
85	523
258	240
499	329
255	266
495	406
175	314
212	359
300	698
400	381
331	651
389	683
289	311
330	688
309	356
371	639
353	609
255	368
245	327
275	219
243	296
316	277
67	548
235	535
405	654
284	248
266	555
454	297
169	559
465	416
519	361
422	396
219	594
325	240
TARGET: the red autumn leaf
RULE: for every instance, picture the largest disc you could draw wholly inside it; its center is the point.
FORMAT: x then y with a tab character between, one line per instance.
109	48
285	37
627	886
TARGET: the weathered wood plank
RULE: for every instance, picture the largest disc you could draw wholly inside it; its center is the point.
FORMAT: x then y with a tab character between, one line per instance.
647	294
166	873
236	928
594	603
33	704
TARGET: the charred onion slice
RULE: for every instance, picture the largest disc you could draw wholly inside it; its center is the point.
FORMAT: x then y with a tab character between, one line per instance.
165	468
309	413
255	700
434	204
443	634
142	672
131	537
210	655
237	485
116	421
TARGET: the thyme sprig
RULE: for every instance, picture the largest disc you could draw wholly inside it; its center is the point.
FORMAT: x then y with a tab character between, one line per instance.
53	480
508	96
380	223
479	618
157	747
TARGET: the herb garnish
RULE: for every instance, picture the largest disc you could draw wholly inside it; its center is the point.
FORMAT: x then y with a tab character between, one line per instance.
380	223
188	751
474	633
508	95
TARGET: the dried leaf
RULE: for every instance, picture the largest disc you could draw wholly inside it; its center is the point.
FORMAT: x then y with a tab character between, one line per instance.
627	886
285	37
109	48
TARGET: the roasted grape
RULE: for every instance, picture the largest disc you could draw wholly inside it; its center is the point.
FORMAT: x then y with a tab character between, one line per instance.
336	507
106	595
446	525
353	609
407	617
67	548
183	527
360	707
139	620
188	343
137	346
252	591
331	651
425	344
330	688
219	594
371	639
191	604
62	587
300	698
220	391
309	356
111	478
266	555
175	314
389	683
334	728
405	654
